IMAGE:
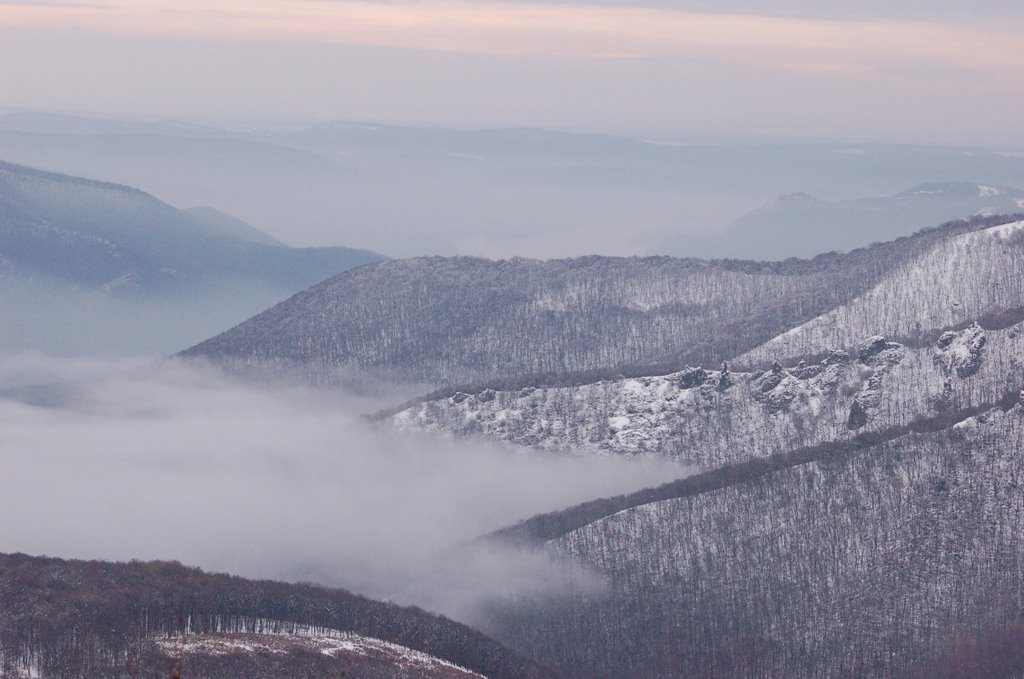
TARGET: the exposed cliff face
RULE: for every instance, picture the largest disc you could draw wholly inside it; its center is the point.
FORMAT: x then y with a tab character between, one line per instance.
691	416
708	417
876	358
961	352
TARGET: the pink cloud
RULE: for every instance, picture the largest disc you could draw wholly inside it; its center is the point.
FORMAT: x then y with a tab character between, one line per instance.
840	47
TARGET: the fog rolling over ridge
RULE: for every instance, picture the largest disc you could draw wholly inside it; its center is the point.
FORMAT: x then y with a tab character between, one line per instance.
138	460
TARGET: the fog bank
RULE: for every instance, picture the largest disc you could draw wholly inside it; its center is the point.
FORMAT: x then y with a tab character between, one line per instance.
162	460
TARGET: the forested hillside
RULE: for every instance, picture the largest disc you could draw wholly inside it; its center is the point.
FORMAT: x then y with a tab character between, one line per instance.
883	560
456	320
860	506
86	619
855	423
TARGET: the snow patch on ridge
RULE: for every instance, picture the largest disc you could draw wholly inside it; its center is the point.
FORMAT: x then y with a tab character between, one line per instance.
281	638
1006	230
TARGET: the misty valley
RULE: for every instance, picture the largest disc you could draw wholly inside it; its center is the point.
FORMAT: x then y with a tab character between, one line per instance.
302	397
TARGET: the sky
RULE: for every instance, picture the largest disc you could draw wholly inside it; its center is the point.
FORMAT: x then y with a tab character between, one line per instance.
937	72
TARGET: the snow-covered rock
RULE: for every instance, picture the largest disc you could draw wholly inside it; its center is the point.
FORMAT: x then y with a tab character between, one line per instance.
707	417
961	352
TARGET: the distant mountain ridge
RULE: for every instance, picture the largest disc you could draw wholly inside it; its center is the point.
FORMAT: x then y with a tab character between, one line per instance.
231	226
410	191
96	234
90	266
800	225
60	123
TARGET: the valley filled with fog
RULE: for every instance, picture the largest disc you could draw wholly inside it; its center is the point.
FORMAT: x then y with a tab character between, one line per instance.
156	459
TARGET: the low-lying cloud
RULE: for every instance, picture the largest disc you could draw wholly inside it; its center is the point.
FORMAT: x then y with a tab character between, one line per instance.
142	460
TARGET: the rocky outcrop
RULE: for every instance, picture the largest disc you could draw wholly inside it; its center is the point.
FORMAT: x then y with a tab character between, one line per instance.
961	352
690	378
776	389
877	356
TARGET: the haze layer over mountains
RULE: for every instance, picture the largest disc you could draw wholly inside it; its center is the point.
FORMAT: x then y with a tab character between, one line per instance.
406	191
86	248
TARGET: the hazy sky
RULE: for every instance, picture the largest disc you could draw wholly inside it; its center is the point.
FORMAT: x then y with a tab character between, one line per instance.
940	71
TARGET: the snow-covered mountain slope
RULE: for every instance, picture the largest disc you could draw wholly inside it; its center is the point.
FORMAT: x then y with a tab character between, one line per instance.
708	418
871	561
957	280
457	320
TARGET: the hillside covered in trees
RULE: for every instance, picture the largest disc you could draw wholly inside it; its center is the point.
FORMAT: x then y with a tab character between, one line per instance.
446	321
86	619
895	555
840	374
